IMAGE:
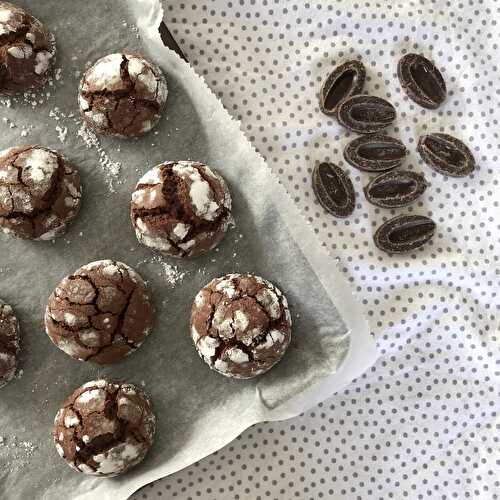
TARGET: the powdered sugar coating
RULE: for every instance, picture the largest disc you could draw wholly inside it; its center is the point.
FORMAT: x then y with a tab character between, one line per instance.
180	231
101	313
152	176
203	204
93	399
40	192
181	208
27	53
240	325
140	70
98	442
41	164
122	95
42	62
6	14
71	421
104	74
20	51
237	356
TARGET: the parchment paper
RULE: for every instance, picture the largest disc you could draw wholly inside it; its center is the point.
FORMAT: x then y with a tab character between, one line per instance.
198	410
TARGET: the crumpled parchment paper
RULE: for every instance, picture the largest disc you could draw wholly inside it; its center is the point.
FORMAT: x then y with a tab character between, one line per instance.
198	411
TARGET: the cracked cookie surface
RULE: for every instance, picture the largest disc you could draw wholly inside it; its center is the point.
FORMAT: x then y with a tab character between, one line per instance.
104	428
122	95
9	343
182	209
240	325
40	192
27	50
100	313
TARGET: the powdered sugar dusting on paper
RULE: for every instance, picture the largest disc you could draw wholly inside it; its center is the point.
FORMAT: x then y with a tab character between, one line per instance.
64	121
20	451
172	274
111	168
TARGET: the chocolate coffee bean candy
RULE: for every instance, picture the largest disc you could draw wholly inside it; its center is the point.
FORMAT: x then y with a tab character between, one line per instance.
365	114
27	51
40	192
344	81
104	428
240	325
333	189
9	343
404	233
375	153
395	189
446	154
123	95
100	313
422	81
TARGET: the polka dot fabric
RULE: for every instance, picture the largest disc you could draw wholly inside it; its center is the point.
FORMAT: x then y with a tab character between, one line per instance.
424	421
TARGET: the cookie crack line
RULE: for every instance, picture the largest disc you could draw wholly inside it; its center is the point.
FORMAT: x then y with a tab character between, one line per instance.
19	177
227	343
117	330
89	450
91	95
198	226
170	241
75	277
109	313
18	77
152	104
234	332
19	168
50	197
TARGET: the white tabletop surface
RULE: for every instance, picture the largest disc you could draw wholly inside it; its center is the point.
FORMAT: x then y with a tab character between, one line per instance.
423	422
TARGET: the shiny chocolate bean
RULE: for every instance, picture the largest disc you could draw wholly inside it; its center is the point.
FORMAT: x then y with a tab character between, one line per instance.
344	81
395	189
446	154
365	114
334	189
375	153
422	81
404	233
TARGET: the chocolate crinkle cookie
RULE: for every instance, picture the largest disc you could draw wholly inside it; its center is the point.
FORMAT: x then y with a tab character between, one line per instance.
40	192
100	313
182	209
9	343
240	325
122	95
104	428
26	51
